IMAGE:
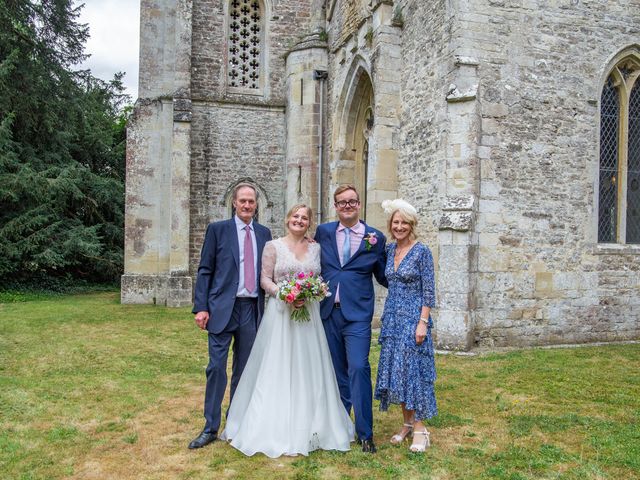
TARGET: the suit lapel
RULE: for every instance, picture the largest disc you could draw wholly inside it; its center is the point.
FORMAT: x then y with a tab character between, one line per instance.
235	248
334	246
261	239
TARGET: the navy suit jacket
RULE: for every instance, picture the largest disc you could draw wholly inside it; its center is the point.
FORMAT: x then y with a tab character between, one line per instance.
218	274
357	297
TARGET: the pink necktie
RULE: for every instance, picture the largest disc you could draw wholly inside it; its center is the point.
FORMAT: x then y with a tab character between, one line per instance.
249	272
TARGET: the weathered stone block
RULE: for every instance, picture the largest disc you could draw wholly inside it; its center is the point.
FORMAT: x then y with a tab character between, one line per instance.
453	330
460	221
156	289
453	281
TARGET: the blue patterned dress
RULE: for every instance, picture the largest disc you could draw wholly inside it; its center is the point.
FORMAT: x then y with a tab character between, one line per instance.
406	371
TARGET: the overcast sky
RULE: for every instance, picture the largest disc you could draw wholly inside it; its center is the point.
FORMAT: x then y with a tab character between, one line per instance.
114	26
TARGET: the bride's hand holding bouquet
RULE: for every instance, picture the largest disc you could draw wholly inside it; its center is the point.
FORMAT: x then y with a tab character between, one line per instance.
299	288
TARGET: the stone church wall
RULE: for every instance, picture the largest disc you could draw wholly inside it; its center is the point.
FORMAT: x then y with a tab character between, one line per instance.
236	136
231	143
287	21
540	276
490	107
346	18
426	61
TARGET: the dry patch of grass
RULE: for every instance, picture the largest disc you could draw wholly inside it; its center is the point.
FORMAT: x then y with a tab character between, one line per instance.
149	445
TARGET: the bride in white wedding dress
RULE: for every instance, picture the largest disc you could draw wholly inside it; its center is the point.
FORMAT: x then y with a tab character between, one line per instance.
287	401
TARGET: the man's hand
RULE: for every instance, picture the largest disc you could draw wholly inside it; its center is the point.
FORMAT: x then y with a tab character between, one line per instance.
201	319
421	332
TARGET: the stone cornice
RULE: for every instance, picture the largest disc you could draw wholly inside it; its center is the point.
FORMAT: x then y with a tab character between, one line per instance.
313	40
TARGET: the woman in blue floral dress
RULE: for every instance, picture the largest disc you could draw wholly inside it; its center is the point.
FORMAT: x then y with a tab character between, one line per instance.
406	370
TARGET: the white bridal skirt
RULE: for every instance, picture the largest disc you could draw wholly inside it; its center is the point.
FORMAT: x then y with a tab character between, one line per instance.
287	401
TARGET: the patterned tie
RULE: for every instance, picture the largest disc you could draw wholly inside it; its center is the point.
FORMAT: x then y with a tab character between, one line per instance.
346	247
249	272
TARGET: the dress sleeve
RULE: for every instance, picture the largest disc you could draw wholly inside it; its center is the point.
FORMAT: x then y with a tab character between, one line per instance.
427	278
268	267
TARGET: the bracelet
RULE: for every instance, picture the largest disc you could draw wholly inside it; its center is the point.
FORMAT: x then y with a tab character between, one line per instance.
424	319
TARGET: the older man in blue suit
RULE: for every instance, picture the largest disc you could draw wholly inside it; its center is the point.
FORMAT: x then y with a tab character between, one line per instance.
351	253
228	300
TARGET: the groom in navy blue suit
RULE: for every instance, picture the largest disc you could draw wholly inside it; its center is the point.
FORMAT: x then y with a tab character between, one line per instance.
228	300
351	252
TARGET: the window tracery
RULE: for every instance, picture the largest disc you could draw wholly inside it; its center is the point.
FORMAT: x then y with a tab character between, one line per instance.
245	44
619	172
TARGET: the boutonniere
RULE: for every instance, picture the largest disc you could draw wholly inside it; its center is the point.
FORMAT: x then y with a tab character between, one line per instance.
370	240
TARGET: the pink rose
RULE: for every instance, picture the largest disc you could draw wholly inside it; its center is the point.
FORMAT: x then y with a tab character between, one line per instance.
290	298
301	275
295	291
373	240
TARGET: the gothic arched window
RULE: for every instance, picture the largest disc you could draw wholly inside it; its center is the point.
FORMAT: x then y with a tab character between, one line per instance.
245	45
619	182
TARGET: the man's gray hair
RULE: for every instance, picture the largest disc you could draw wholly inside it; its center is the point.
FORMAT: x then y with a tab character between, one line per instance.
244	185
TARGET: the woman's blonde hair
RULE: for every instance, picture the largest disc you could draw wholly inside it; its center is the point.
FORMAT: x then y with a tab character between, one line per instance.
408	217
293	210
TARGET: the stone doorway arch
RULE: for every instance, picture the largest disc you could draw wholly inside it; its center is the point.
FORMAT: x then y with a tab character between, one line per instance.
264	211
356	154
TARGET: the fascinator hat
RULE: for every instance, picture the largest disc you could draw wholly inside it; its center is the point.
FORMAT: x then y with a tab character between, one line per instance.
390	206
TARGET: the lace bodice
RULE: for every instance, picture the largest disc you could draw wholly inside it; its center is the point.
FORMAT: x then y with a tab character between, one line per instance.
278	262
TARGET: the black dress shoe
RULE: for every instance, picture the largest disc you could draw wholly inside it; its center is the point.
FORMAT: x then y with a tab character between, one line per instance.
368	446
205	438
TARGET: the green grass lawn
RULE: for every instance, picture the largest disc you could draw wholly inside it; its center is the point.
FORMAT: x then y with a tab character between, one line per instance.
90	389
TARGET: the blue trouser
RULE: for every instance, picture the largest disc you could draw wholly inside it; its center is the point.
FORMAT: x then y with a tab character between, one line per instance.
349	343
242	329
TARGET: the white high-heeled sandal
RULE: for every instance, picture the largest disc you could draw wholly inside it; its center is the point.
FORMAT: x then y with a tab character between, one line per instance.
421	446
398	437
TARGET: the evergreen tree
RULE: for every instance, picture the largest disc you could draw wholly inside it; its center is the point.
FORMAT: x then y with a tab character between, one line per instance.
62	136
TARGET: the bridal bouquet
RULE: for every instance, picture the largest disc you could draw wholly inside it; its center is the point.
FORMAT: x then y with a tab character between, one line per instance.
302	286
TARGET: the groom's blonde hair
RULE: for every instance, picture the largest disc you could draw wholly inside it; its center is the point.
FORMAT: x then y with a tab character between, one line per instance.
294	209
343	188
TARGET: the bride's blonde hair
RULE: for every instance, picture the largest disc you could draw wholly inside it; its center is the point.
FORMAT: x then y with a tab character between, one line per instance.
293	210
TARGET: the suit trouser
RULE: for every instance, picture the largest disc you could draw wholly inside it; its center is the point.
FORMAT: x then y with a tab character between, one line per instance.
242	329
349	343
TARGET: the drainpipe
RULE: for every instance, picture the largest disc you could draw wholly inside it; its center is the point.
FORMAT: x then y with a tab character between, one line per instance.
322	76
